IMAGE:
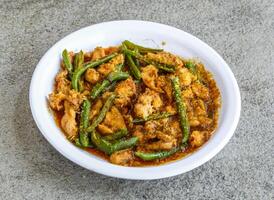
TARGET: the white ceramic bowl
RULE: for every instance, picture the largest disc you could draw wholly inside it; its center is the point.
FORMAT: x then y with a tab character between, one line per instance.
148	34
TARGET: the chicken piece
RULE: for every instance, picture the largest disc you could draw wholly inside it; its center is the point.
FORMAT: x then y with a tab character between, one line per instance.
56	101
128	120
165	83
185	77
200	90
150	76
139	133
160	145
199	107
200	120
152	126
197	138
95	109
158	135
98	53
124	90
62	84
92	76
165	58
63	91
171	109
161	134
193	121
204	121
123	157
68	121
188	105
187	93
173	129
165	141
113	122
75	98
106	95
106	68
147	103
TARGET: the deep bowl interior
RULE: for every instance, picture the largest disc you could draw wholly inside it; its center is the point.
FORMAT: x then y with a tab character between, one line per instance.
149	34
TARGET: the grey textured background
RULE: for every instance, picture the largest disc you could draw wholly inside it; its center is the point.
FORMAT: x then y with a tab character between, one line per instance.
241	31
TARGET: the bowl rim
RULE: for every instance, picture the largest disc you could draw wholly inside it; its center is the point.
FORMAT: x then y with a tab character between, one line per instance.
139	173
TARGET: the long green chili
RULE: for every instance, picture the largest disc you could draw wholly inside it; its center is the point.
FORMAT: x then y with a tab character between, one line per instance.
164	67
77	73
117	135
181	109
141	49
84	122
101	114
67	62
156	155
110	148
152	117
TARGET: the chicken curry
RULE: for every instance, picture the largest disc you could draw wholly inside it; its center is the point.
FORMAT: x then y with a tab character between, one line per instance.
134	105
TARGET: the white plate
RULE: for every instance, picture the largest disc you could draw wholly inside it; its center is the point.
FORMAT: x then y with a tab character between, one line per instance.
144	33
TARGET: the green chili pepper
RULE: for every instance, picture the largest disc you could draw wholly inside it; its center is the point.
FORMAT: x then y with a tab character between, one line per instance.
117	135
164	67
109	148
156	155
111	86
193	69
191	66
84	122
124	144
133	68
78	63
99	88
67	62
181	110
100	143
77	142
117	75
153	117
101	114
78	60
77	73
141	49
120	67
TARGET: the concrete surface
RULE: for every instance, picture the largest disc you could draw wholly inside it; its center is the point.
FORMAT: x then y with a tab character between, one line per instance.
241	31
